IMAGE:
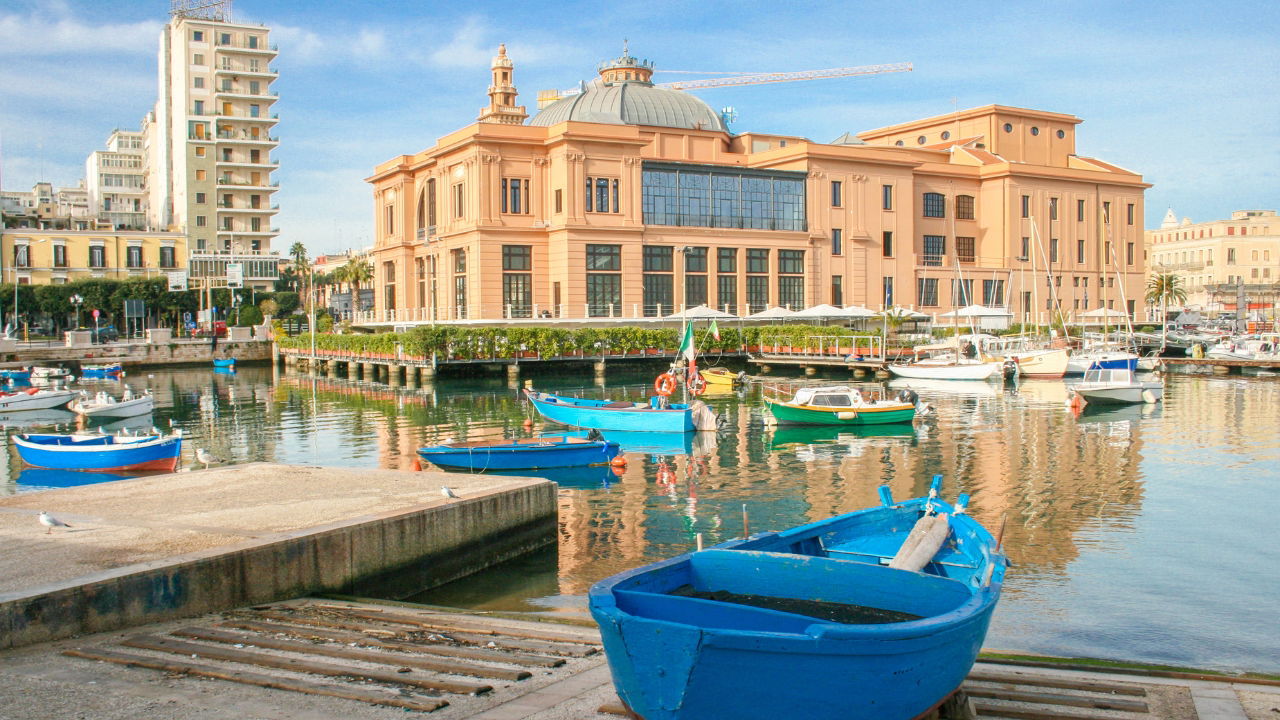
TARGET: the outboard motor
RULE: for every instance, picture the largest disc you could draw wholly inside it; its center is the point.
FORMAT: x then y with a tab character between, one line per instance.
1010	369
908	395
741	379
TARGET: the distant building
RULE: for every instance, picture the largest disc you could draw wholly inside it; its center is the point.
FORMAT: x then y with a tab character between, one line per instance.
59	256
634	200
1213	257
47	207
116	181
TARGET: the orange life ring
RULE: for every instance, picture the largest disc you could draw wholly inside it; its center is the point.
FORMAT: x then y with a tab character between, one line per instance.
697	384
665	384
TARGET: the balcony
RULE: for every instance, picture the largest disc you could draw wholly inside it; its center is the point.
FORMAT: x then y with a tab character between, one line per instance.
267	96
244	137
269	165
269	72
255	264
265	210
269	119
243	47
231	183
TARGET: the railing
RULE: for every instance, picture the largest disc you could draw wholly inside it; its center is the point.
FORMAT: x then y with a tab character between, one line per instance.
630	313
865	348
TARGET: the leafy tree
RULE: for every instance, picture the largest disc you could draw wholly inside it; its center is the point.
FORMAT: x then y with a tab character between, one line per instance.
356	273
269	307
287	301
249	315
1165	288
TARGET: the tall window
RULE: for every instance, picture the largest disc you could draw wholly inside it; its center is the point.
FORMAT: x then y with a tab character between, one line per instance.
1080	210
791	278
757	293
836	193
133	256
1026	206
962	293
836	244
1128	253
965	249
886	246
1053	208
460	284
389	285
964	207
515	196
993	293
559	200
727	292
1080	251
60	256
599	193
727	260
935	205
459	201
659	295
97	256
927	292
431	203
1053	250
604	281
695	279
1026	249
886	197
887	291
517	281
837	290
935	247
1129	215
1106	213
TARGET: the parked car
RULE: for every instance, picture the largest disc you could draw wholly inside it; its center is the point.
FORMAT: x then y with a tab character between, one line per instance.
104	334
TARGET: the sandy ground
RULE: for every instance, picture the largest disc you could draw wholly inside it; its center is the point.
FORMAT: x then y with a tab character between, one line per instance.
153	518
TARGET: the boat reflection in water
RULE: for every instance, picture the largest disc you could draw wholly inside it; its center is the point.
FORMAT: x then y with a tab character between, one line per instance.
1094	413
34	478
580	477
658	443
948	387
1048	392
785	435
50	417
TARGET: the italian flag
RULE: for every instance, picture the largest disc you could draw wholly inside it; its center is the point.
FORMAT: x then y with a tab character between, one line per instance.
686	343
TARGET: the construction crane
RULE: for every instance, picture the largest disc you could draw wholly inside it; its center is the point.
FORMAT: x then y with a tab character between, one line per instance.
547	97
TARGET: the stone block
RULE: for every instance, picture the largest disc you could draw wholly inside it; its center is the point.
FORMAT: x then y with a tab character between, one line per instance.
8	345
79	338
239	334
159	336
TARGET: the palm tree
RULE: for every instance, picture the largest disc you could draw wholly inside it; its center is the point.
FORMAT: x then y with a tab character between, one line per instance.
1165	288
298	252
357	272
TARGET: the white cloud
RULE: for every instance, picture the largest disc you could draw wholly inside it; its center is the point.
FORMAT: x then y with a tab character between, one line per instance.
466	48
53	32
300	45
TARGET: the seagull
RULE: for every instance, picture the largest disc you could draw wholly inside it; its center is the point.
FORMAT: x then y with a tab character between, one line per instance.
51	522
203	456
448	492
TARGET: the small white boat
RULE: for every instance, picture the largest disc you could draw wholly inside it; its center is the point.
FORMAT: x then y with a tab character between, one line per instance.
103	405
35	399
1244	348
1118	387
936	369
49	373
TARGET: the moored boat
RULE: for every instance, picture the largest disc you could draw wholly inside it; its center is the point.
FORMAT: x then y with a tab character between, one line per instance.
104	405
35	399
100	452
20	375
842	405
878	613
1118	387
521	453
722	376
101	371
947	370
653	416
1080	363
224	362
49	373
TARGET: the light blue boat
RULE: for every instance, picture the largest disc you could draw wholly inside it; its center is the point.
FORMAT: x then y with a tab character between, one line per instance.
878	613
626	416
521	453
224	362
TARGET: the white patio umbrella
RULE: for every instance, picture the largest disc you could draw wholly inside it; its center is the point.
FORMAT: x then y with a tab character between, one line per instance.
700	312
773	313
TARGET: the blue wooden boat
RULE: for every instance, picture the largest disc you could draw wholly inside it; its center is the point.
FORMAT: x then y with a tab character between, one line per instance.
101	371
607	415
521	453
878	613
22	375
224	362
100	452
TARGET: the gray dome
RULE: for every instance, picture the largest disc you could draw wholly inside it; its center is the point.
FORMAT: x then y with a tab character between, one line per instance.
632	103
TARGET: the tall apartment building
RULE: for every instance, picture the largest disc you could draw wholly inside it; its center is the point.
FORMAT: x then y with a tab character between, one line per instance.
116	181
210	139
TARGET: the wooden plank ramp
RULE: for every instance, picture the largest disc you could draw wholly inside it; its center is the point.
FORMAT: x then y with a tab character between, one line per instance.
392	656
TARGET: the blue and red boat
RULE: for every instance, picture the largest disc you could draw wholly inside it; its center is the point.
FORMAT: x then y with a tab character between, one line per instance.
878	613
653	416
521	453
101	371
100	452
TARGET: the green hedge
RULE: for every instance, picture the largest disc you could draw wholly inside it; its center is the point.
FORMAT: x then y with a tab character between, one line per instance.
472	343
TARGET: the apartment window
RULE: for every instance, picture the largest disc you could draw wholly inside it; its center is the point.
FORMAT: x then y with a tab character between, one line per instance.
133	256
59	256
1080	251
836	245
935	205
887	291
1080	210
515	196
727	292
253	42
836	193
202	221
201	175
927	292
886	243
255	87
1129	214
837	290
727	260
459	205
886	197
254	111
695	260
197	36
198	59
1128	254
197	83
1053	250
559	201
935	247
97	256
198	107
1053	208
965	249
1026	206
1231	256
167	258
964	207
757	260
224	39
200	151
21	256
255	225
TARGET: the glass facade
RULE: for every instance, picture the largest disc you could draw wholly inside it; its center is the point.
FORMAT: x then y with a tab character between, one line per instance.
700	196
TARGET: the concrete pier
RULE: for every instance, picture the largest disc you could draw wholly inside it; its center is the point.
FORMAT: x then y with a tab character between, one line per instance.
162	547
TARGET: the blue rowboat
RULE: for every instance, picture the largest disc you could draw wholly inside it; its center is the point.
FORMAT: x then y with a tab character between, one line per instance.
101	371
878	613
16	375
100	452
521	453
606	415
224	362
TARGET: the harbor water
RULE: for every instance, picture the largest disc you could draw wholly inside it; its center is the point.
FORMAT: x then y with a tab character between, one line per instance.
1139	533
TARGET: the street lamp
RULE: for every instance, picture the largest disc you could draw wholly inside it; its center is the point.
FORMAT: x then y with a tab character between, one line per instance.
76	300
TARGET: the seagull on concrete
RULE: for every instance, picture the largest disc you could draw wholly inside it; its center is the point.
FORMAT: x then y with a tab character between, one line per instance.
204	456
448	492
51	522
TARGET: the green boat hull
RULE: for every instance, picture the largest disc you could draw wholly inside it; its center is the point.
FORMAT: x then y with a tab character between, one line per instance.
792	415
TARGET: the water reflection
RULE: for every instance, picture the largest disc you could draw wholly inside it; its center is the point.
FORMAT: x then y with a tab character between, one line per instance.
1136	532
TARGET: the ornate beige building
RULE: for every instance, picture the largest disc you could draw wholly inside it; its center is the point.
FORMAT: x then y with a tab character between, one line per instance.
1213	257
632	200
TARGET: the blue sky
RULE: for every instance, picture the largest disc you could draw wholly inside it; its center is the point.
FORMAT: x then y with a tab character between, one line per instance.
1182	92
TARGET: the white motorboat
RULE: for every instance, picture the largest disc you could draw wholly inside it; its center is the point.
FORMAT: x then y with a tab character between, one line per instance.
49	373
1118	387
103	405
35	399
1082	362
1245	348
